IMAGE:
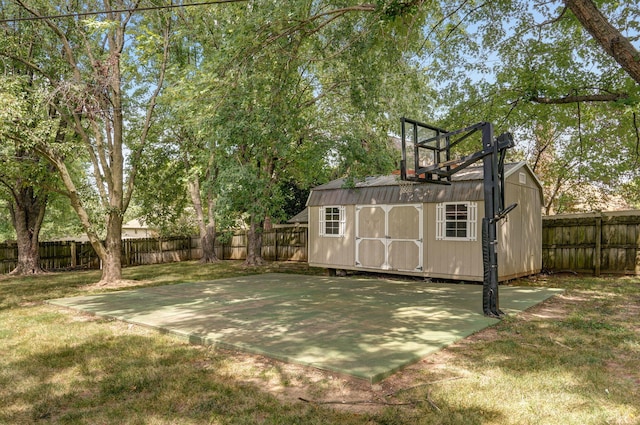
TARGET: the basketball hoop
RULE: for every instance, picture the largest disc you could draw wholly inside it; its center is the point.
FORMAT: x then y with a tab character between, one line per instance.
406	187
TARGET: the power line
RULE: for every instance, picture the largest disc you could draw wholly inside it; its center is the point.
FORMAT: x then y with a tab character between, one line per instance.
104	12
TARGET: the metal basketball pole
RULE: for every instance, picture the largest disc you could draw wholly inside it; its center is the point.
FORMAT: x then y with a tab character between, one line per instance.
492	154
492	189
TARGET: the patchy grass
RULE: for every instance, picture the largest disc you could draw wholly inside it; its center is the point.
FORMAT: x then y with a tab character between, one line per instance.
58	369
572	360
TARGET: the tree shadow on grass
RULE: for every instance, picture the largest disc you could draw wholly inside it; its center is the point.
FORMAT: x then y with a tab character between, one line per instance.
126	379
135	379
559	365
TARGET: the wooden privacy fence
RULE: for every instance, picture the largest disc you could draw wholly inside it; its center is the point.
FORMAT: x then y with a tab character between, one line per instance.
59	255
607	242
278	244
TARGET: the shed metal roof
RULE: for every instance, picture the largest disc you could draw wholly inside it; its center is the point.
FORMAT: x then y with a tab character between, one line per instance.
466	185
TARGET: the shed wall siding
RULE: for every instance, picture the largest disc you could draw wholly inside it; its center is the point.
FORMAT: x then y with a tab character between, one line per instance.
451	259
520	235
334	252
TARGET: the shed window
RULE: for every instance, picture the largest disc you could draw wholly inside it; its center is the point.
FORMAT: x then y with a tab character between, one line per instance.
332	221
456	221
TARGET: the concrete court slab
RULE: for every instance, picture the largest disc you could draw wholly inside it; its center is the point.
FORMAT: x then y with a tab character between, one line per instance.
366	328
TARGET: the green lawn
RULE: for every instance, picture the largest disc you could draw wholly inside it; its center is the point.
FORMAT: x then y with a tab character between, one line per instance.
572	360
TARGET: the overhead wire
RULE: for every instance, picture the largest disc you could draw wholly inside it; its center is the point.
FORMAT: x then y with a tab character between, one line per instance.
129	10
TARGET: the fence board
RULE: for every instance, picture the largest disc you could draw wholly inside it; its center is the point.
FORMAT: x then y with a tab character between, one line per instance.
606	242
8	257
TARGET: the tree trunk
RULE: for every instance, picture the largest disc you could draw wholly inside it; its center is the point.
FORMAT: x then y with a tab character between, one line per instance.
210	234
112	261
208	245
207	231
110	252
27	213
254	244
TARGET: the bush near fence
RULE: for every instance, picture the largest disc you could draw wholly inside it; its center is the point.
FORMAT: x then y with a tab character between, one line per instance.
279	244
607	242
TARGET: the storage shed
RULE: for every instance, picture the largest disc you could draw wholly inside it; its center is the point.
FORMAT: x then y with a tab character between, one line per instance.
432	230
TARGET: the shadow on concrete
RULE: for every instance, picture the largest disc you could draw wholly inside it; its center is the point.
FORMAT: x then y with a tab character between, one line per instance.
366	328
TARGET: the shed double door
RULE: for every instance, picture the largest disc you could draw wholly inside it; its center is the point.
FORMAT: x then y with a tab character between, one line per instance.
389	237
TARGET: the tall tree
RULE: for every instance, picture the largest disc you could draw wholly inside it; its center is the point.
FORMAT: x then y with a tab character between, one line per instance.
180	171
95	69
25	177
299	87
185	147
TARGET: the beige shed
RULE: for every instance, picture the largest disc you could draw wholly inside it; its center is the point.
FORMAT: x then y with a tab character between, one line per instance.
425	229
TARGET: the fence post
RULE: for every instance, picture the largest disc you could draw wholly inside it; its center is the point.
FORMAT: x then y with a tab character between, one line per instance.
74	258
597	257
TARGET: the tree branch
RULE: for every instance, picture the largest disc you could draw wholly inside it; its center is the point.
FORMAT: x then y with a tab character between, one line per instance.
76	201
607	97
137	154
454	28
11	189
609	37
30	65
553	20
240	59
635	126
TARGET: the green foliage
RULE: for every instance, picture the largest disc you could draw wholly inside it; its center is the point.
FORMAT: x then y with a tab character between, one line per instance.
294	198
261	97
392	9
161	197
25	120
297	92
533	70
60	220
631	191
26	126
7	232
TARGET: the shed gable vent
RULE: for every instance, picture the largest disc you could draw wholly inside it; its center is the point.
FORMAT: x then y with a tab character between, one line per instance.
522	178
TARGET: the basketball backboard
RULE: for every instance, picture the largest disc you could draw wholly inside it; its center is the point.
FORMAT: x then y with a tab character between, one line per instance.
422	147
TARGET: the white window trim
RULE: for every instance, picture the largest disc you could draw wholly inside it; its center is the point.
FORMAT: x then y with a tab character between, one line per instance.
472	221
342	217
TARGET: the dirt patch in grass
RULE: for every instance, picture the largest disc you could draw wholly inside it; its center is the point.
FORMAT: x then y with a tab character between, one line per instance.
300	384
624	368
118	284
293	383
